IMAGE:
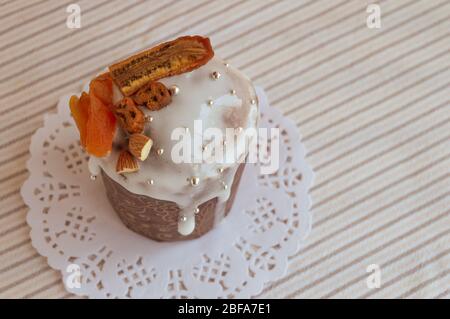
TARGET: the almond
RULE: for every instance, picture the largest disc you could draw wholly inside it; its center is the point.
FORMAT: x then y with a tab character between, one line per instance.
140	145
126	163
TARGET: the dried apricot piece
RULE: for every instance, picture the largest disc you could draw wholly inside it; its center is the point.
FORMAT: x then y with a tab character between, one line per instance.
102	87
170	58
101	126
153	95
130	117
79	109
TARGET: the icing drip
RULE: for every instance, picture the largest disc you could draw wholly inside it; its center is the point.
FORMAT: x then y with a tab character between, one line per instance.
231	94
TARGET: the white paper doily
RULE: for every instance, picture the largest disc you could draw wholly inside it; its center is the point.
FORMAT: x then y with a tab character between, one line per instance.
72	223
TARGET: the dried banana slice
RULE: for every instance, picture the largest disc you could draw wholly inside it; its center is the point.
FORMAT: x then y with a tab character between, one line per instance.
170	58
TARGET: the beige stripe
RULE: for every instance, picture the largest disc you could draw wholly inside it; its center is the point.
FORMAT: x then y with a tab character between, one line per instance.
68	36
12	211
425	283
69	296
28	6
18	138
271	36
361	94
384	265
367	235
374	212
371	106
358	78
12	229
265	23
373	71
316	187
362	145
19	262
15	246
7	2
442	294
9	177
408	273
47	28
393	165
14	157
42	289
331	41
374	105
31	276
379	191
366	255
375	87
3	197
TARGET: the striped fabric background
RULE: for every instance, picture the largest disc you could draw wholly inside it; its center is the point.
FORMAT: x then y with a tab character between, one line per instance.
372	105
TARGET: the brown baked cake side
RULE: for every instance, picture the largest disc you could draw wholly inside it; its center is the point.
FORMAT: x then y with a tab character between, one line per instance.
158	219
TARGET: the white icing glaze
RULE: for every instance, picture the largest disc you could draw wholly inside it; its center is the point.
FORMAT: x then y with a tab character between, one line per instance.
231	94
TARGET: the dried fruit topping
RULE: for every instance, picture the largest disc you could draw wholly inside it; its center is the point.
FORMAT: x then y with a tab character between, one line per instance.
102	87
170	58
140	145
101	126
95	121
153	95
130	117
126	163
79	109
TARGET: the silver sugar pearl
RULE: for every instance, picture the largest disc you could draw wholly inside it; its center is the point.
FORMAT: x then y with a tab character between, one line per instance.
215	75
160	151
183	219
225	186
150	182
253	101
93	177
220	170
194	181
149	118
197	210
174	90
233	92
210	102
227	64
